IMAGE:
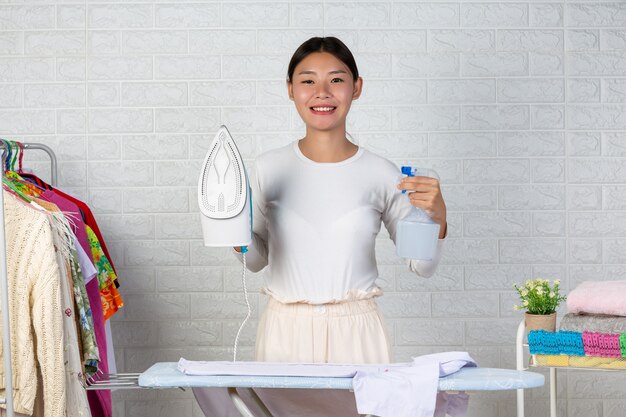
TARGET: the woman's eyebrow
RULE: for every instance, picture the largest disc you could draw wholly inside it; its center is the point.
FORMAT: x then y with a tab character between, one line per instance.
331	72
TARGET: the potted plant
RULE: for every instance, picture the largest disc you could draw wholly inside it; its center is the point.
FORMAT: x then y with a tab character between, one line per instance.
540	300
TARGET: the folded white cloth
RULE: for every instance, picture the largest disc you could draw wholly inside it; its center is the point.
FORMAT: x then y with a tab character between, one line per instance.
411	391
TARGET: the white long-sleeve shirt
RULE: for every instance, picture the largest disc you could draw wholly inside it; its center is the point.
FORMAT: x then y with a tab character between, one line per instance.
315	224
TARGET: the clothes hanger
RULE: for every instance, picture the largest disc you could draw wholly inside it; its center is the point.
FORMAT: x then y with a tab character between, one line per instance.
11	178
6	153
11	188
10	145
22	147
31	181
28	181
17	146
7	182
16	152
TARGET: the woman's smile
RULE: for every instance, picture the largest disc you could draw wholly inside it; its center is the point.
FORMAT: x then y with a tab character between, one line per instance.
323	110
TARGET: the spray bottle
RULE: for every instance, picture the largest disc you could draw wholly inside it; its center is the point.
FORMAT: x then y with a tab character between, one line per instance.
417	234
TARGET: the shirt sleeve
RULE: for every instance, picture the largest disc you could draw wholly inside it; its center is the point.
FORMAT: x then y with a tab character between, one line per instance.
258	253
396	208
47	319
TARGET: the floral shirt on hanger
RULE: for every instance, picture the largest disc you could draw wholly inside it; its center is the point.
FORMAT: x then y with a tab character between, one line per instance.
111	298
91	354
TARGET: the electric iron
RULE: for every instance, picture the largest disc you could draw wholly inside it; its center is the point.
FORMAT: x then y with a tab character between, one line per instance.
224	194
225	201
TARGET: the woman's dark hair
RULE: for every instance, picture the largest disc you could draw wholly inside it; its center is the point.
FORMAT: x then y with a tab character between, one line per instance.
328	44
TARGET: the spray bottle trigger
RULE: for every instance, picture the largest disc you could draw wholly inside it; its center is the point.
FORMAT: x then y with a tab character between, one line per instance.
409	172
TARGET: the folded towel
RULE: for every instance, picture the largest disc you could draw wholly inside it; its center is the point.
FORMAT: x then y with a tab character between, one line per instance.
578	361
593	323
555	343
598	297
601	344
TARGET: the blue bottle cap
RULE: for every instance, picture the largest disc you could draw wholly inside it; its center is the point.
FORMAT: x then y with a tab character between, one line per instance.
408	171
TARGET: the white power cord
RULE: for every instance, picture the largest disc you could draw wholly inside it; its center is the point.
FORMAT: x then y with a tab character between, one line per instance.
245	294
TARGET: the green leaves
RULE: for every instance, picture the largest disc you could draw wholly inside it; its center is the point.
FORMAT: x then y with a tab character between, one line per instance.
539	297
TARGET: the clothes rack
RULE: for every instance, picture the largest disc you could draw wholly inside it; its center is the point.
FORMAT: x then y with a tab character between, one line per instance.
97	381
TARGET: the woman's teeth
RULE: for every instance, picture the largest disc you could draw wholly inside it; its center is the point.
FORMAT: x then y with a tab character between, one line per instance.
323	108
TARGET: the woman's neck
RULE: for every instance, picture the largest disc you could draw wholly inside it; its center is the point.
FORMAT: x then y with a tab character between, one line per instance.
327	146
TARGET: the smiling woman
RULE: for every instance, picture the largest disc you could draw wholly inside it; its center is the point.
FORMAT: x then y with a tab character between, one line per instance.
323	83
318	205
338	179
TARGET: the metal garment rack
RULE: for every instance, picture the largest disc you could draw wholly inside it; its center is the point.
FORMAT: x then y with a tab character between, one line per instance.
99	380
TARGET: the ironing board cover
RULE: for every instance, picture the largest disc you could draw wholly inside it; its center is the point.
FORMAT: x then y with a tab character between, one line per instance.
166	375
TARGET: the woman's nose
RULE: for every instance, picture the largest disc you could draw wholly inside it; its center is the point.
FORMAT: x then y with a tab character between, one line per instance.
322	92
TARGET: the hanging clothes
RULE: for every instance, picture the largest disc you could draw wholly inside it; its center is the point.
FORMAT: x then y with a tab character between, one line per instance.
89	345
84	336
85	211
63	239
111	299
71	212
74	217
36	326
89	350
100	401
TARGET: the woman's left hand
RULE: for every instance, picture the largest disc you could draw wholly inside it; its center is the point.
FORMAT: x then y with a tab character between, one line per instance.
424	193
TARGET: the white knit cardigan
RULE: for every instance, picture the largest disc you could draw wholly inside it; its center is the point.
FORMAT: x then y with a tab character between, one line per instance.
34	308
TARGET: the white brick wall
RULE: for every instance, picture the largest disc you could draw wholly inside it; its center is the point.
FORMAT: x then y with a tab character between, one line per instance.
520	107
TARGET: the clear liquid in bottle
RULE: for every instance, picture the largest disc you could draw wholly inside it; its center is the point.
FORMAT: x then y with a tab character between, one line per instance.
417	234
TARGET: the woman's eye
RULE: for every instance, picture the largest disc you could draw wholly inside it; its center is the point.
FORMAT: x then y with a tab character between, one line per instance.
337	80
307	82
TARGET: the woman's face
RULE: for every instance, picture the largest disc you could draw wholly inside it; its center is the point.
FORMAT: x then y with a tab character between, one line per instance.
322	89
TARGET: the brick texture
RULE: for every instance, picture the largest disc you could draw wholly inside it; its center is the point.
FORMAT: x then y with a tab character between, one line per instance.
519	106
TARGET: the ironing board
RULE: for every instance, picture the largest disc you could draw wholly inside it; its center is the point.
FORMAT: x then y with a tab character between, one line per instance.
166	375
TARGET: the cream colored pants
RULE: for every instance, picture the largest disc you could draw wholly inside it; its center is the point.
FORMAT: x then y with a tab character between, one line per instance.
349	332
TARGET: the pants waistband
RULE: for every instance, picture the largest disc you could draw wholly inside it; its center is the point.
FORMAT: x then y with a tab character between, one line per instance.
332	309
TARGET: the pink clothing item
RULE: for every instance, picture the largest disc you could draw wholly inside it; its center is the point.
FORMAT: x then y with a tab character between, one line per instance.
100	401
601	344
72	213
598	297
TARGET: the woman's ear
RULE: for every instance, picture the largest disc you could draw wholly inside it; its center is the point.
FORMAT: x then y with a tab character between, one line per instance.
358	87
290	90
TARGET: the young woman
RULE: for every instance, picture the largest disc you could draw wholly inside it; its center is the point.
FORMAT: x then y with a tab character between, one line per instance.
318	206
